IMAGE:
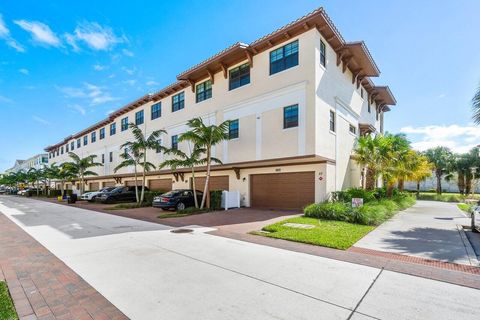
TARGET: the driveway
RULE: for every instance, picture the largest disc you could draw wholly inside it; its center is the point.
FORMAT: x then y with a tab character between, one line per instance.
427	230
150	273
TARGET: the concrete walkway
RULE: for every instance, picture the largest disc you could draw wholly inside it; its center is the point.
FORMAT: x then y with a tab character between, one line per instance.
427	230
150	273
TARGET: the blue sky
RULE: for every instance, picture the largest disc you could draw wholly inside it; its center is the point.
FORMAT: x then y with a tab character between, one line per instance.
64	67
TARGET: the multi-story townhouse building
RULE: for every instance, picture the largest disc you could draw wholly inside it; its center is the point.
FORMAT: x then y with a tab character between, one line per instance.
37	162
297	99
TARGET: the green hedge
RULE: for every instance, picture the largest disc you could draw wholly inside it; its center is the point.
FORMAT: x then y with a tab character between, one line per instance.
371	213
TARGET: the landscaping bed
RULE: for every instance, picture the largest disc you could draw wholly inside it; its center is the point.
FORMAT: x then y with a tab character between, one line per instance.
337	224
7	310
445	197
184	213
326	233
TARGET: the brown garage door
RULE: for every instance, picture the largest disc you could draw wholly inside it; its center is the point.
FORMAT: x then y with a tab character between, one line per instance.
132	183
109	184
160	184
216	183
282	190
93	186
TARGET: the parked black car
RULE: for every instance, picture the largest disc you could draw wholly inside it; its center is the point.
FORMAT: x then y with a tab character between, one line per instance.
119	194
176	199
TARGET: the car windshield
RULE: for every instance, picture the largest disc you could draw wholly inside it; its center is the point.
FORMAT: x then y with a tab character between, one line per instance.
117	190
106	189
171	194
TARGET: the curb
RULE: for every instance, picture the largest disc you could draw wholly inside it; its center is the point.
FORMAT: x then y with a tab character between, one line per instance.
472	257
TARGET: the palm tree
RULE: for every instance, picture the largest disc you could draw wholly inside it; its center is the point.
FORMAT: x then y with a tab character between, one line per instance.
370	153
79	168
206	137
34	175
423	170
136	153
476	106
442	160
184	160
135	159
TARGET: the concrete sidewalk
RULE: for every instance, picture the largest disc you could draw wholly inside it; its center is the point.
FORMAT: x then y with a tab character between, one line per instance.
149	273
427	230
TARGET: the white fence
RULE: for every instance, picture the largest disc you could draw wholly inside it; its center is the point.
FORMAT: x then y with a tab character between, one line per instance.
230	199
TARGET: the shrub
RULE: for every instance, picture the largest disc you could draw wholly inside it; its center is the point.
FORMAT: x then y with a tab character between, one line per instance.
215	199
347	195
371	214
328	210
149	195
390	205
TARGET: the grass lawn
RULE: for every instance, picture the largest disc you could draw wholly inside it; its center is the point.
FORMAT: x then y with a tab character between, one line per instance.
7	311
183	213
327	233
465	207
445	196
123	206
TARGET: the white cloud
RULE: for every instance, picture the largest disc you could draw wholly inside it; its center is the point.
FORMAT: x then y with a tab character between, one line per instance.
78	108
71	41
130	82
441	96
128	53
458	138
93	94
129	71
24	71
40	32
5	99
41	120
110	112
5	35
99	67
95	36
152	83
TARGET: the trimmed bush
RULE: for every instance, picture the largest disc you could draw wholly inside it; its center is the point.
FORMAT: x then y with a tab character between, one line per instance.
149	195
215	199
371	213
328	210
347	195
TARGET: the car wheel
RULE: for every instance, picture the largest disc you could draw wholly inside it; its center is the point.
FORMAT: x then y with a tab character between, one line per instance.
180	206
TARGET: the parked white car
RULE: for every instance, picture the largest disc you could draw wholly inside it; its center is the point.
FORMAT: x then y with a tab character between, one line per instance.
90	196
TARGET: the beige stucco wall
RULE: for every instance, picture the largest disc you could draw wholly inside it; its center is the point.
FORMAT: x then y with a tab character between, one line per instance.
259	108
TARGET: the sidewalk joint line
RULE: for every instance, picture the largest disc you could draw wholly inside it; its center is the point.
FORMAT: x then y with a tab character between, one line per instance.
365	294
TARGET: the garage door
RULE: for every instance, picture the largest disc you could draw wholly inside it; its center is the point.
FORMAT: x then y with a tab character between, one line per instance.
216	183
132	183
160	184
94	186
282	190
109	184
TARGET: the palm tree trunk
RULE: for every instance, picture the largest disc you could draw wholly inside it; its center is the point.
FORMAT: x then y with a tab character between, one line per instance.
207	180
461	182
143	175
468	184
439	183
194	188
62	187
136	186
370	179
418	188
83	185
390	187
38	186
401	184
